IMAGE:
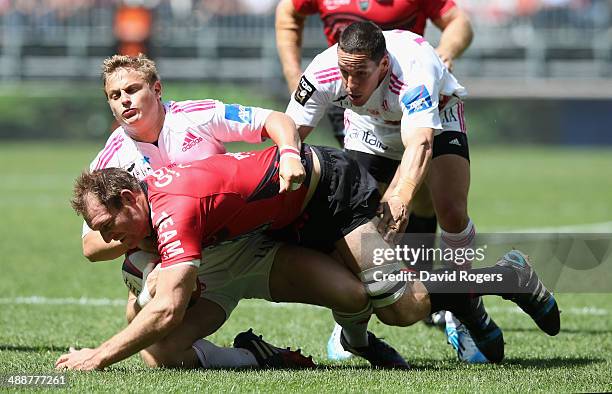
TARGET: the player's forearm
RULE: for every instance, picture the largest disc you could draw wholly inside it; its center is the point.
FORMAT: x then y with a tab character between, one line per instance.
289	29
96	249
457	36
154	322
414	164
282	130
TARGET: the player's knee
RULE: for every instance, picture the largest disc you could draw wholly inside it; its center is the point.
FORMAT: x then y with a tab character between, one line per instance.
159	355
422	205
348	296
452	216
356	297
399	314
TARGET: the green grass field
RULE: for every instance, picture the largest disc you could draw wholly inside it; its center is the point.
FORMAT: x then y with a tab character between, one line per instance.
513	188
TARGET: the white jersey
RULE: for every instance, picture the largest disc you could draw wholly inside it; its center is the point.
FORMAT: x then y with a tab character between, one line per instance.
192	130
409	97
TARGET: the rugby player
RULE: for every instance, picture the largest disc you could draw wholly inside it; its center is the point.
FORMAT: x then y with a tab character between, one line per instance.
404	107
408	15
224	198
153	134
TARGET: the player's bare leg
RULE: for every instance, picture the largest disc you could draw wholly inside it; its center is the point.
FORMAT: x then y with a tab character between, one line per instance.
449	182
175	350
318	279
397	301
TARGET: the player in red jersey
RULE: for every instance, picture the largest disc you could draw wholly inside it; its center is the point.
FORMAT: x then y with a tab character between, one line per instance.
189	207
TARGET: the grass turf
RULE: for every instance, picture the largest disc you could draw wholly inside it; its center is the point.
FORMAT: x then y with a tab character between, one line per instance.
512	188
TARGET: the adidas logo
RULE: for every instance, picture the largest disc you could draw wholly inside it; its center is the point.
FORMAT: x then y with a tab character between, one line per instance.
190	141
455	142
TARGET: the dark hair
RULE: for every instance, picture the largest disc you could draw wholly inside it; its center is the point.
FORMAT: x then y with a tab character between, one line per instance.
363	37
105	185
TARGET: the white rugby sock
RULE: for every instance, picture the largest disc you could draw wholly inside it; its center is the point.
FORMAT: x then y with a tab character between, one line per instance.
464	239
213	356
355	325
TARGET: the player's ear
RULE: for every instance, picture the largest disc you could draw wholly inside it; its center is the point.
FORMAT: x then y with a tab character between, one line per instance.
128	197
384	62
157	87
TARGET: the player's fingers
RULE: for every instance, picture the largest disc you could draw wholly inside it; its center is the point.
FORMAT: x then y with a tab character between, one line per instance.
384	222
61	360
390	234
72	349
284	185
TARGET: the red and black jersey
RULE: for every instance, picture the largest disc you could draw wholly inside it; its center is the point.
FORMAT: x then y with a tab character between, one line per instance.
217	199
388	14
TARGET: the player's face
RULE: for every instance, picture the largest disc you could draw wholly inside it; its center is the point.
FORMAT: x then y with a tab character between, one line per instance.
361	75
129	224
134	102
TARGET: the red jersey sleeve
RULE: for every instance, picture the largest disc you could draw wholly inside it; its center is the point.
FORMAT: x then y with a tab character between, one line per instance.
306	7
434	9
176	220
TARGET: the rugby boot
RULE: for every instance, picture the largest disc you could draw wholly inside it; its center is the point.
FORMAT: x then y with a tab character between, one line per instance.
378	353
533	297
270	356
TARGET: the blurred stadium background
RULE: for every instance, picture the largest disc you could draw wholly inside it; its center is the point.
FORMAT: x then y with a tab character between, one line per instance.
539	73
552	58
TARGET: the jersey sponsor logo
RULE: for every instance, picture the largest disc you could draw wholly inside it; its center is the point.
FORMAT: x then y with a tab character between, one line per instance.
368	138
238	113
364	5
448	115
455	142
190	141
304	91
331	5
165	235
164	176
417	99
240	155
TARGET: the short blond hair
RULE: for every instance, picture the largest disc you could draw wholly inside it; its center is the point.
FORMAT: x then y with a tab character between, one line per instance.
141	64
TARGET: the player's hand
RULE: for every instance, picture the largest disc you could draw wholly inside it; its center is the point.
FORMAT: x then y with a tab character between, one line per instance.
394	218
291	173
446	59
80	360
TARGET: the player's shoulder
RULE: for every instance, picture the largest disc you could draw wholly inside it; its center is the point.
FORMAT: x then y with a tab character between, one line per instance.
198	111
324	63
410	52
323	72
109	154
404	43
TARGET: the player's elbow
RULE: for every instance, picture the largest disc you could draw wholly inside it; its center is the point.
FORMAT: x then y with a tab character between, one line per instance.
171	314
91	253
423	139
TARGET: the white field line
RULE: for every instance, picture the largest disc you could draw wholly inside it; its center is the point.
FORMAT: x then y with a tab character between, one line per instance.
84	301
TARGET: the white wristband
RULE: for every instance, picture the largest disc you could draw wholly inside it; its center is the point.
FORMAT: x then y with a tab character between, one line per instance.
144	297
